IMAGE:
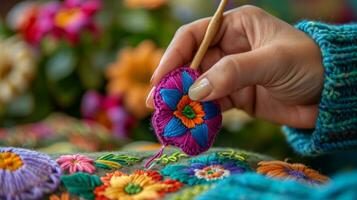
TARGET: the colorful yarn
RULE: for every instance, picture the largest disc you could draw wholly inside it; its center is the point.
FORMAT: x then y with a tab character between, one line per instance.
76	163
81	184
191	192
111	161
26	174
296	171
139	186
205	169
180	121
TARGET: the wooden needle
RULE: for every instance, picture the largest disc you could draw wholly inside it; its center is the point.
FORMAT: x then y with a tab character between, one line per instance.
211	32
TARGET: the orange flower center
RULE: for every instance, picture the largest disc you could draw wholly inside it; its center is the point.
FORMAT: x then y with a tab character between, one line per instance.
10	161
189	112
66	17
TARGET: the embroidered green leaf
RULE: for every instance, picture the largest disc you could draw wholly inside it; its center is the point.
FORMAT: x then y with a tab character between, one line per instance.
233	155
111	161
81	184
165	159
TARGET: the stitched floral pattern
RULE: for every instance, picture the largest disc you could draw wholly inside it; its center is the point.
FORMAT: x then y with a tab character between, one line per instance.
205	169
76	163
18	166
139	185
180	121
296	171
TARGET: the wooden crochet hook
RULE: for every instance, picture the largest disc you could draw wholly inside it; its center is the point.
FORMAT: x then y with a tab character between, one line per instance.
211	32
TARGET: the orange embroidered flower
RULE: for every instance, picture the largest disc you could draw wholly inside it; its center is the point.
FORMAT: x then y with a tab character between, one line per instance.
149	4
294	171
130	76
139	185
190	112
63	196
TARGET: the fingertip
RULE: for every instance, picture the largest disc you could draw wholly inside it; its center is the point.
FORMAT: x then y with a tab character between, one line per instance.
150	98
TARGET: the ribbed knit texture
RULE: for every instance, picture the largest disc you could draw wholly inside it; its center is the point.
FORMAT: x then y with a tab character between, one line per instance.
336	126
255	187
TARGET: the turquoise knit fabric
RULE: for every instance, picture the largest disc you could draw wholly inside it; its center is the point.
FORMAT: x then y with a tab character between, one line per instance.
336	126
255	186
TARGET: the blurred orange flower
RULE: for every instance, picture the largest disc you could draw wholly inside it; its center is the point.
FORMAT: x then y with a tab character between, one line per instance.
130	76
295	171
149	4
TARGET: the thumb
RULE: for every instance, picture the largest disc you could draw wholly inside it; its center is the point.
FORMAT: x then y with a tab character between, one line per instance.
235	72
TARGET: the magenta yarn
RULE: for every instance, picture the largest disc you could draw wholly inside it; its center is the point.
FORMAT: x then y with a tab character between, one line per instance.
181	122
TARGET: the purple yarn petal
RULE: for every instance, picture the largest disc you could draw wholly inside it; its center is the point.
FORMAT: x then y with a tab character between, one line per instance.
38	176
192	144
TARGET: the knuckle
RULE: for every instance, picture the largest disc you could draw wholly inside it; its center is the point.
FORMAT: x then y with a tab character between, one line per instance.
228	70
251	10
183	29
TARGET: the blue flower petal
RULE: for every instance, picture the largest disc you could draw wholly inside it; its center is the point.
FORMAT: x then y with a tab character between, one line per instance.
174	128
200	133
171	97
187	81
210	109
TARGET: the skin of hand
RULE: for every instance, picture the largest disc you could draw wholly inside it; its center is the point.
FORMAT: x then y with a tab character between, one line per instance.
256	62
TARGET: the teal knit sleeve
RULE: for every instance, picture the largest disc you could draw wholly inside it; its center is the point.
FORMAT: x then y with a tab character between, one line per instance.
336	126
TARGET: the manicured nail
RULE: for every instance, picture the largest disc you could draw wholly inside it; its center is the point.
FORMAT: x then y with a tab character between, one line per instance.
150	98
152	77
200	89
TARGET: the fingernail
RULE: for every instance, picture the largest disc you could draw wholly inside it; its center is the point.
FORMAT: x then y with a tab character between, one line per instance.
200	89
152	77
150	98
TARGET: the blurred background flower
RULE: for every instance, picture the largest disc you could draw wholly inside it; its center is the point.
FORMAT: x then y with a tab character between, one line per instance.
109	112
91	61
130	75
17	68
149	4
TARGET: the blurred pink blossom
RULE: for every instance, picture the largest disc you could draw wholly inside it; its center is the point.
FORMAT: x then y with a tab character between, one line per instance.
108	111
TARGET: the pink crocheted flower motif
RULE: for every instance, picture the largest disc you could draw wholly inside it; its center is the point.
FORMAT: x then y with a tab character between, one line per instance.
76	163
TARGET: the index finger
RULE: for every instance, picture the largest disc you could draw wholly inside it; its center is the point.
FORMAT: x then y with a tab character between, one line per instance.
181	49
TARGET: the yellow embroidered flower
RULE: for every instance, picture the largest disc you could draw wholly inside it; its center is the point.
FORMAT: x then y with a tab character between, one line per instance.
130	76
10	161
149	4
17	68
133	187
295	171
137	186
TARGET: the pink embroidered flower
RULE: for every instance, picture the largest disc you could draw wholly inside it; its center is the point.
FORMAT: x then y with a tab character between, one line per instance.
76	163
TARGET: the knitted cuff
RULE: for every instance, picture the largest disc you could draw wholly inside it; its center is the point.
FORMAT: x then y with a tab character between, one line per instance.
336	126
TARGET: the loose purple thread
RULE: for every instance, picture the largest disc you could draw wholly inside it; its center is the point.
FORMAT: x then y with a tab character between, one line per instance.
158	154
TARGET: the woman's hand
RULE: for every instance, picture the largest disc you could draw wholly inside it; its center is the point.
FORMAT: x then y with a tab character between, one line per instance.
256	62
